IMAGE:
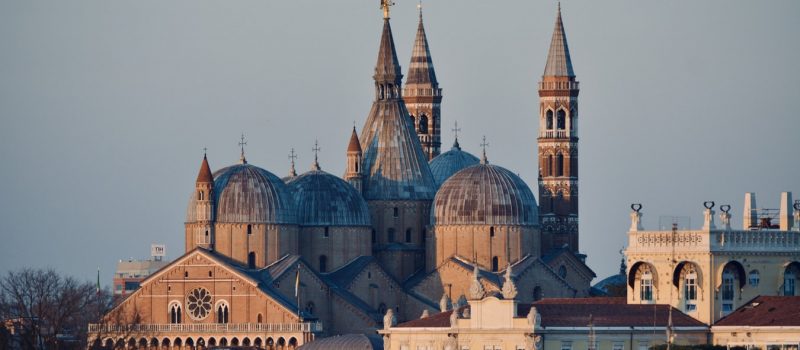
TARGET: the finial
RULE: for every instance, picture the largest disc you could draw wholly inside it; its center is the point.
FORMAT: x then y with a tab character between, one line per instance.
559	8
205	152
622	266
385	6
242	143
316	150
483	145
292	157
455	130
419	7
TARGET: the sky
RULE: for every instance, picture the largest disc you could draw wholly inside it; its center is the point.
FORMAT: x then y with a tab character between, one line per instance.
106	106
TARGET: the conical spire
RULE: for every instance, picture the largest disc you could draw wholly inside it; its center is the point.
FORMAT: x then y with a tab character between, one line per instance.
559	63
355	145
394	164
205	171
420	70
387	69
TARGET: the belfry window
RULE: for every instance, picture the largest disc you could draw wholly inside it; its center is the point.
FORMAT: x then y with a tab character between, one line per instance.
646	286
423	124
559	166
549	120
200	195
561	121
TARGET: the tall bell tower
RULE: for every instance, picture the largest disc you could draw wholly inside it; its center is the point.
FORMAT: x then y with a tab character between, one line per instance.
558	146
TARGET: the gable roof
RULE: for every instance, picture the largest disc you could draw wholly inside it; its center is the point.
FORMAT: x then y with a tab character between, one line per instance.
765	311
605	312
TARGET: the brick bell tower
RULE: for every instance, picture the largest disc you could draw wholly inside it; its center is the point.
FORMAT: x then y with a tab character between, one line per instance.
558	146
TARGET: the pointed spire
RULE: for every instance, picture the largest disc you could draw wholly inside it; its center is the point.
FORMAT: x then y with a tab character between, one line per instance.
420	70
355	145
205	171
292	157
559	63
316	150
387	69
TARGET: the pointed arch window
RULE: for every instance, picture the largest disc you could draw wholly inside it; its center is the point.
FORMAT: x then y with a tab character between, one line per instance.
423	124
549	119
223	312
200	195
495	264
559	166
561	120
175	312
260	318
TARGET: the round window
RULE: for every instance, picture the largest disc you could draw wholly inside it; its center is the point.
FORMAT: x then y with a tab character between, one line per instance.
198	302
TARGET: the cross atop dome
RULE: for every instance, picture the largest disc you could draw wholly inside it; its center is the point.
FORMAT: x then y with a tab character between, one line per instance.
316	150
484	144
292	157
242	143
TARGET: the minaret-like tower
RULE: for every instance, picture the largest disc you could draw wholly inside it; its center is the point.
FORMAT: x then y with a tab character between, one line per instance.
200	223
423	96
558	146
397	183
353	173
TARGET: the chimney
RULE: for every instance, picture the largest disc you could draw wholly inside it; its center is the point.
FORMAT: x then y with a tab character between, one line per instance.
749	217
786	217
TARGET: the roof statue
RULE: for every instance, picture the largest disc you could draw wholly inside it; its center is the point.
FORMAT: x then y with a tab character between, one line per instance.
509	288
444	303
476	291
389	320
425	314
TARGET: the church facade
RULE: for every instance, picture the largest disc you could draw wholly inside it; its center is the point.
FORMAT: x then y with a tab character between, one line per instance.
276	262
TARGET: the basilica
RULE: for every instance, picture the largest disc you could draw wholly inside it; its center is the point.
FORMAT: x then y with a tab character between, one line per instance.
407	230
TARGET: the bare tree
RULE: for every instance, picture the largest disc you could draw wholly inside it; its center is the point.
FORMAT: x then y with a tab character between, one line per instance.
45	306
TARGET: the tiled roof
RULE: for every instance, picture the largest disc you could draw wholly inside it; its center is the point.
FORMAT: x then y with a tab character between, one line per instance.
355	145
451	162
484	194
323	199
441	319
605	312
205	172
765	311
420	70
559	64
346	342
394	165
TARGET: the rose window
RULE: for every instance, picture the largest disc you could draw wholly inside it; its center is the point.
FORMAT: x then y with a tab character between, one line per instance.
198	303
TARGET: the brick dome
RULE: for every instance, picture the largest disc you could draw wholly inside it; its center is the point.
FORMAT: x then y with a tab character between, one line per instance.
484	194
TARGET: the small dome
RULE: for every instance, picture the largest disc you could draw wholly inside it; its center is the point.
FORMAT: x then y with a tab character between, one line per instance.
248	194
484	194
323	199
450	162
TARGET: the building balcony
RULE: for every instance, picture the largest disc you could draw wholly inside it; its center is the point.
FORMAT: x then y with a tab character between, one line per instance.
555	134
206	328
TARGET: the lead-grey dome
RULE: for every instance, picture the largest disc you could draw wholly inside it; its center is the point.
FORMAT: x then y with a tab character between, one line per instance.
484	194
244	193
450	162
323	199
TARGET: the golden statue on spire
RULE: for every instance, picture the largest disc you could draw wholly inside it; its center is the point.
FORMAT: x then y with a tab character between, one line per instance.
385	6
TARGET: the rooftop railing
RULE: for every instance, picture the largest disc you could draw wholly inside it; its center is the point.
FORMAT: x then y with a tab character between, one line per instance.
313	327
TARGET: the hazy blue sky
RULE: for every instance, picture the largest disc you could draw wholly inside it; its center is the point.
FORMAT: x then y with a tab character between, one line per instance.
106	106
